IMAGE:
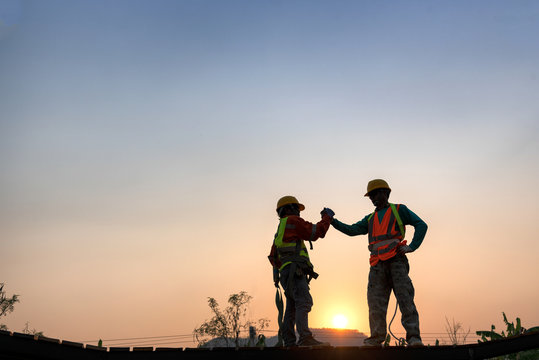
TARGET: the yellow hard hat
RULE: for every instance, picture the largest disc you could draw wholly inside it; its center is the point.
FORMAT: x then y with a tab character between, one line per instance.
285	200
377	184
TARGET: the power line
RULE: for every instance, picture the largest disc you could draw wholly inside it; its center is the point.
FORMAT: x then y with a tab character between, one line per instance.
148	343
140	338
151	341
187	338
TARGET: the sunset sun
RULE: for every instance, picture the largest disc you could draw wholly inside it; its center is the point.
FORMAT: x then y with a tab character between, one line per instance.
340	321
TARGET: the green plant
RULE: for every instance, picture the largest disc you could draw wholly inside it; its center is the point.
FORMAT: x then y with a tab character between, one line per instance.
261	343
511	330
29	331
398	342
227	324
7	304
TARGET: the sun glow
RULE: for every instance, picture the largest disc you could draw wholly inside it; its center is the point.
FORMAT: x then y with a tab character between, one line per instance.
340	321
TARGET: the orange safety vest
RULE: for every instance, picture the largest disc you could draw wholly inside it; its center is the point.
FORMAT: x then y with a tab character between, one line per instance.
386	235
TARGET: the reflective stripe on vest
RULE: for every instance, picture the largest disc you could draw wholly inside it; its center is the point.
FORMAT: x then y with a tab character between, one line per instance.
384	236
288	249
383	243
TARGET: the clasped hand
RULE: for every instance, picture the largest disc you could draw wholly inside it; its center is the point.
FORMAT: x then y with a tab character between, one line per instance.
327	211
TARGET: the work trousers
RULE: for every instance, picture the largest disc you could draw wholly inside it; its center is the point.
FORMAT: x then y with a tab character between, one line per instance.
298	305
385	276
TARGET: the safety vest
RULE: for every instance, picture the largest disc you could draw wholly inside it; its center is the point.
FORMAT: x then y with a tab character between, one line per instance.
290	251
386	235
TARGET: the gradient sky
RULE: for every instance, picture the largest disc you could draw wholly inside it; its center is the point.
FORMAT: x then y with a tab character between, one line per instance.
144	145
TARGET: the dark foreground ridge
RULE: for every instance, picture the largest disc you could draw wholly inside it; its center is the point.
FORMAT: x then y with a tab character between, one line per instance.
16	346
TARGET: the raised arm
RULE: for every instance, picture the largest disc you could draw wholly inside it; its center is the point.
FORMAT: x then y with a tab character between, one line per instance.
307	230
359	228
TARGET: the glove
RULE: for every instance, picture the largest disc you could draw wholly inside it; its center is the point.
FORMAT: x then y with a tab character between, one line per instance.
327	211
404	249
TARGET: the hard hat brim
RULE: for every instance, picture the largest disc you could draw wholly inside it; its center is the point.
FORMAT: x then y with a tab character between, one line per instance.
286	200
376	188
300	206
377	184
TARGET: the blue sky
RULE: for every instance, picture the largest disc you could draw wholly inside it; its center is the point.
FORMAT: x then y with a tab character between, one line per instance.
150	131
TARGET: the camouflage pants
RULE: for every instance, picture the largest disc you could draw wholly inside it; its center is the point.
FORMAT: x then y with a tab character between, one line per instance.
298	305
385	276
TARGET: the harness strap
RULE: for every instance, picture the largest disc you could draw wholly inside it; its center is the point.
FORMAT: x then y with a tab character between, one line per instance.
391	246
397	217
379	244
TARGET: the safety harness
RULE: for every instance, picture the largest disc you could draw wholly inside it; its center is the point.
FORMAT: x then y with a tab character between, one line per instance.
294	255
383	237
397	217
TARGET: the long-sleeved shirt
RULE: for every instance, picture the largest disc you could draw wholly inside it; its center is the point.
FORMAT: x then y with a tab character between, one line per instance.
408	218
298	229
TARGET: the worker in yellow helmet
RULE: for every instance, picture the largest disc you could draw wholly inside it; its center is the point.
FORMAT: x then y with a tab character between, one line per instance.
293	268
389	265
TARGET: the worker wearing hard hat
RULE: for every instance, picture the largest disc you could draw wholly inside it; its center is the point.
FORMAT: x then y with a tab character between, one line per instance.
293	268
389	265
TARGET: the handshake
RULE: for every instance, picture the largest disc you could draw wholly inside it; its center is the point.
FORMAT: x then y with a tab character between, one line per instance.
327	211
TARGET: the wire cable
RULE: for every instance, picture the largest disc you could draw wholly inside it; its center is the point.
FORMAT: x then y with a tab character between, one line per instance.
399	340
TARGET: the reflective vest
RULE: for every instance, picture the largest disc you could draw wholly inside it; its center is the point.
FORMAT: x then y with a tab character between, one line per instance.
386	235
290	251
